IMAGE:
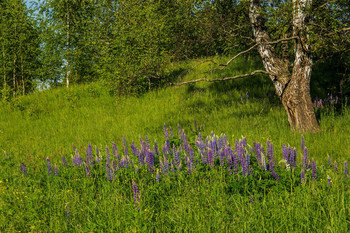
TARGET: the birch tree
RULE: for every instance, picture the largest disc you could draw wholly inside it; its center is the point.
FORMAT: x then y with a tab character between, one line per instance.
275	26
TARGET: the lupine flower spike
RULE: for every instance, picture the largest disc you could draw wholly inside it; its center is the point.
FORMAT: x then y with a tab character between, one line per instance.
136	192
23	168
314	170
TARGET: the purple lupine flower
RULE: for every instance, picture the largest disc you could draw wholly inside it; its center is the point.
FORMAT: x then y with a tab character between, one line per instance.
136	192
108	157
155	148
166	132
64	161
56	170
6	155
90	159
147	142
251	197
222	158
189	165
166	164
335	166
109	172
157	176
285	153
77	160
150	160
273	172
314	169
246	96
125	145
329	160
172	166
49	168
23	168
306	158
74	148
210	158
241	98
346	170
97	151
302	176
87	169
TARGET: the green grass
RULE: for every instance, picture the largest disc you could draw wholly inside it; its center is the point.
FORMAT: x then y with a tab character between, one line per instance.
45	124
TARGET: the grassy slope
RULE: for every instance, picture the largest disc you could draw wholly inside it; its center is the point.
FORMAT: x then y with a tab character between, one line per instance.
47	123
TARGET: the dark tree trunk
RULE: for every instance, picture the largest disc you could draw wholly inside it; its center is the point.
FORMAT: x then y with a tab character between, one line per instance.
293	89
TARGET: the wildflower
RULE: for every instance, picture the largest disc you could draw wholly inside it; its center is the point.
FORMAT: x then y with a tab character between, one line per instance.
302	176
7	156
157	176
166	132
64	161
136	191
23	168
210	158
302	143
251	197
314	169
346	170
88	171
49	168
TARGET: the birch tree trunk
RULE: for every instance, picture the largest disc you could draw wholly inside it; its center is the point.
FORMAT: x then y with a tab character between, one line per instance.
293	89
67	48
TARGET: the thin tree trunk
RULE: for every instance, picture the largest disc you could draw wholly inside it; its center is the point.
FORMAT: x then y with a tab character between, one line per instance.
14	75
292	89
22	70
4	63
67	48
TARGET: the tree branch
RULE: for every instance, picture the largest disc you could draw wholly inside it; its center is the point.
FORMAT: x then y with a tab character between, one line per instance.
223	79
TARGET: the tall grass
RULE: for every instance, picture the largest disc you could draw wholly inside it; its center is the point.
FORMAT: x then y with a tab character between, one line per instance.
46	124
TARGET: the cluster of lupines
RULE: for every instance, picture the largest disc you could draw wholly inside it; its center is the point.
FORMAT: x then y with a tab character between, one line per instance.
328	101
236	159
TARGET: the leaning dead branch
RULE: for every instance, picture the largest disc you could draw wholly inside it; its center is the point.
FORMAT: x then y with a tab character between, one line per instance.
223	79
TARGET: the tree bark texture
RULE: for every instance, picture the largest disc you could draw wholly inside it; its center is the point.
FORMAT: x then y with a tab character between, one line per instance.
293	89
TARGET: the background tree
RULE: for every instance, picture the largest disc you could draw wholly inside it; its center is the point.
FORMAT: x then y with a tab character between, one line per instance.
19	47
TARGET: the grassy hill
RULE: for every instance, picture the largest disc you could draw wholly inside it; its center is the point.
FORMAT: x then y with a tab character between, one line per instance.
47	123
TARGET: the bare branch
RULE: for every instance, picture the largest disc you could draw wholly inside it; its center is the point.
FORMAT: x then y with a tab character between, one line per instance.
223	79
248	50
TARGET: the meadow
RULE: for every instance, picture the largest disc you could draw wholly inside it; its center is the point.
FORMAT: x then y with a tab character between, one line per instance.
216	157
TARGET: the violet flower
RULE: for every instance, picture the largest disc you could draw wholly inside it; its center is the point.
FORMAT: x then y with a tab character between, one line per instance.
64	161
87	169
314	169
166	132
23	168
49	168
329	160
136	192
157	176
302	176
